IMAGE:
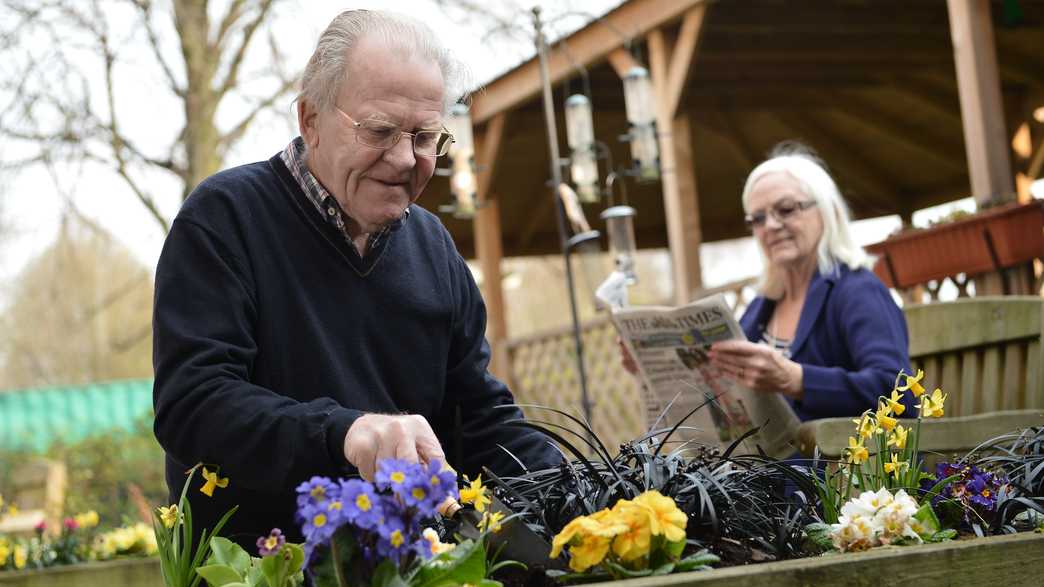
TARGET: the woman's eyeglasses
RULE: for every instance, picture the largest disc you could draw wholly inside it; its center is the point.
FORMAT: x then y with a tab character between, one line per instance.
781	211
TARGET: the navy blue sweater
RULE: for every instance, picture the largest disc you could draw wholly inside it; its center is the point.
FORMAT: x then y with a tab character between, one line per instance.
272	335
851	341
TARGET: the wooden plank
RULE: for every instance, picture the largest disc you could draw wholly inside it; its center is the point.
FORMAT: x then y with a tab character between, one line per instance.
970	385
489	246
950	378
587	46
959	562
973	322
991	390
982	111
1014	383
681	57
487	149
1034	377
954	434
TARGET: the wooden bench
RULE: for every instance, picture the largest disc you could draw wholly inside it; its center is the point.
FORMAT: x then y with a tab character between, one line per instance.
985	353
37	488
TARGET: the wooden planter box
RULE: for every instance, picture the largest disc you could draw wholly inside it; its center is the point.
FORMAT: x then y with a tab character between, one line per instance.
130	572
1011	561
991	240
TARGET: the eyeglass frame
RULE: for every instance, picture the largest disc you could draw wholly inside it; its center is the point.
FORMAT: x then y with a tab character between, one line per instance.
398	137
759	218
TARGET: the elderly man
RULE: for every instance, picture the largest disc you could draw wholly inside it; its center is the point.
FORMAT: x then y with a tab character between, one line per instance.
310	318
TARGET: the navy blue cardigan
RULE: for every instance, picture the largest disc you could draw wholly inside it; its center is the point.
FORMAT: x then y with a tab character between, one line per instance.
272	335
851	341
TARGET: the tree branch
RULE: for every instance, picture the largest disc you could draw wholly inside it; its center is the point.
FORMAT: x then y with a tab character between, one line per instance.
146	17
230	138
240	52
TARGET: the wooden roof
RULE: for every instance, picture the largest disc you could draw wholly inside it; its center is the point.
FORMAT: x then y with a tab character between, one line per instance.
870	84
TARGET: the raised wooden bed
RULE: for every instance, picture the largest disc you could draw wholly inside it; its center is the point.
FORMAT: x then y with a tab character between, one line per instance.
1012	561
131	572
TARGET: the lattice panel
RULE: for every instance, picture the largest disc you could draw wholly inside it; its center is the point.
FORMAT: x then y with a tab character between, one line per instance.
544	372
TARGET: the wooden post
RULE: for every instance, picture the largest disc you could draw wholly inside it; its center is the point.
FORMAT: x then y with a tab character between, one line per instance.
982	111
669	69
489	244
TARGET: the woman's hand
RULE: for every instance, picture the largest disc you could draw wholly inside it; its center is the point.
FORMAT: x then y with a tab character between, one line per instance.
626	359
758	367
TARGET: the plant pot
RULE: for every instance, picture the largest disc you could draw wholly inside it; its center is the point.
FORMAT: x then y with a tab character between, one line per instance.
1012	560
988	241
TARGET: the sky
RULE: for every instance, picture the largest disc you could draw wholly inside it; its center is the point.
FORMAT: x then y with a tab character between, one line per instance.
33	208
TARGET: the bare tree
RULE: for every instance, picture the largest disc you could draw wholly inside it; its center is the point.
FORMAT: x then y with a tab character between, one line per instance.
79	312
67	65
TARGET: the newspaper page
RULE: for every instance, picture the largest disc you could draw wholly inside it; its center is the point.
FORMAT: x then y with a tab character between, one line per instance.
670	346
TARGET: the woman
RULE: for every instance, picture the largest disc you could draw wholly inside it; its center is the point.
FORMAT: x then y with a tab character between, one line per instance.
825	332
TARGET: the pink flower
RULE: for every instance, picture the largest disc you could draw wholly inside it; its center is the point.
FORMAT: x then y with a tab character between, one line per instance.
71	524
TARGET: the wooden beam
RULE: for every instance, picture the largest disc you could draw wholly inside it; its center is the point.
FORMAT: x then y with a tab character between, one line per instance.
622	61
588	45
677	171
489	246
978	82
681	57
487	147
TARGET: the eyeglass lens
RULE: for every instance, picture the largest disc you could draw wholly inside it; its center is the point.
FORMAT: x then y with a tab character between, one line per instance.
781	211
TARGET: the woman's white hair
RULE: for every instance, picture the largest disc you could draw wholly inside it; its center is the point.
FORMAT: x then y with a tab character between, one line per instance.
327	69
836	245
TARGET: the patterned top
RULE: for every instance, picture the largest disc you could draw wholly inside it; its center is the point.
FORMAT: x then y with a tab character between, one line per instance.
780	344
295	158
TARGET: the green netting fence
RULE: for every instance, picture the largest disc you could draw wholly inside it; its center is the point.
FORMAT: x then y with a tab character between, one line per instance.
33	419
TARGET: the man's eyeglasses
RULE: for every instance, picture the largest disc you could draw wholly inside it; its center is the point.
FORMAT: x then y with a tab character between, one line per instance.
781	211
382	135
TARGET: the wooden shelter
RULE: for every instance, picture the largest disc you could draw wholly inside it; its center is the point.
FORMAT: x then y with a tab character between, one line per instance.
878	87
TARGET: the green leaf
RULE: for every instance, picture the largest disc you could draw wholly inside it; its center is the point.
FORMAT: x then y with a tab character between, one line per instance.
489	583
219	575
387	575
674	549
466	563
942	536
274	569
819	535
254	576
927	516
697	560
226	552
618	570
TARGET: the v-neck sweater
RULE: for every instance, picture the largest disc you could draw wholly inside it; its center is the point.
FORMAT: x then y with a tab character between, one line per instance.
272	335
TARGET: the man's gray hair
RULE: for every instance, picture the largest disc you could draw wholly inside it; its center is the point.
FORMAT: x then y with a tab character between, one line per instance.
328	66
836	244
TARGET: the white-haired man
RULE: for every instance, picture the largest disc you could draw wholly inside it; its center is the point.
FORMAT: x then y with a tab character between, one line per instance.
310	319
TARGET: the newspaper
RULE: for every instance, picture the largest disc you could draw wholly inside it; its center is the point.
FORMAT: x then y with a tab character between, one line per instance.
670	347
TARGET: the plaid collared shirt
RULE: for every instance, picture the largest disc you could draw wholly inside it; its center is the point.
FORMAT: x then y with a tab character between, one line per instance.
294	156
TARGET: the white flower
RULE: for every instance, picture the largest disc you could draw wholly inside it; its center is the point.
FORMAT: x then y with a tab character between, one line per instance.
854	532
867	503
897	518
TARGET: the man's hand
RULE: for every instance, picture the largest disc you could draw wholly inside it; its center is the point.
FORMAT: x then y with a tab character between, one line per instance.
758	367
375	437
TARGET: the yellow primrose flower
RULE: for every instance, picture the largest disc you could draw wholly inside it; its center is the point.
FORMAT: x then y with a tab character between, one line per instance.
913	383
598	525
633	543
667	519
898	437
857	453
475	494
87	519
932	407
588	554
865	425
435	546
895	467
212	481
169	515
21	556
894	403
491	521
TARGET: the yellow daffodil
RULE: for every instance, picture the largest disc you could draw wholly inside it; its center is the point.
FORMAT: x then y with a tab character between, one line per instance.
667	520
5	551
913	383
491	522
475	494
857	453
932	407
865	425
213	481
894	467
21	556
884	421
169	515
898	437
87	519
894	403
